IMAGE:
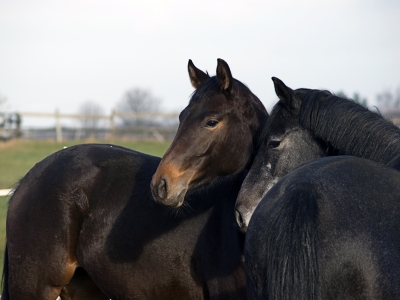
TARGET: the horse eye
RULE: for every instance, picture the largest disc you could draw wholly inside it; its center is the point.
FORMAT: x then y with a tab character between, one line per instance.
211	123
274	144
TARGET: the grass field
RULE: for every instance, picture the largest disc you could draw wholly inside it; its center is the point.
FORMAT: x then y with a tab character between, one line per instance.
18	157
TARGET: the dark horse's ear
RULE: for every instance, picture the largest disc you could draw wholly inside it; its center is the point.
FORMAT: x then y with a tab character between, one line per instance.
196	76
224	75
286	95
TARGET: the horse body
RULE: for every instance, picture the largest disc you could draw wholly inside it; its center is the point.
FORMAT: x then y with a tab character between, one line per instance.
83	221
82	215
327	230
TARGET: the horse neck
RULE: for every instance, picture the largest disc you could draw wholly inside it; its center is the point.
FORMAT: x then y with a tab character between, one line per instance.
352	129
221	193
257	142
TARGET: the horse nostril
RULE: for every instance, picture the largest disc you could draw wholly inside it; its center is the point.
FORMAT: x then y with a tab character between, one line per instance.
239	219
162	189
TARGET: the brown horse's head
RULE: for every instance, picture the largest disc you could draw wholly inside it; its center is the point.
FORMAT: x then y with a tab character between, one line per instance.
217	135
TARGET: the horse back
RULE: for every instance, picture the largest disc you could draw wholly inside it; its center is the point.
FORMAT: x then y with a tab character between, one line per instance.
61	185
359	217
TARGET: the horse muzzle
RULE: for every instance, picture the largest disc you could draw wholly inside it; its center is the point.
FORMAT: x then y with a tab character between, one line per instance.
244	210
163	194
242	219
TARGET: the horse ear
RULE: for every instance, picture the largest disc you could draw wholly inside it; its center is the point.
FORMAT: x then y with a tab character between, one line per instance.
196	76
286	95
224	75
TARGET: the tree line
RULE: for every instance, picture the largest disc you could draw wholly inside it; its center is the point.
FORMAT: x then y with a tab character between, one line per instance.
137	101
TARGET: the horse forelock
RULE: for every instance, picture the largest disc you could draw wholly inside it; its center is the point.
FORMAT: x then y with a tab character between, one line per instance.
211	87
239	97
349	127
204	90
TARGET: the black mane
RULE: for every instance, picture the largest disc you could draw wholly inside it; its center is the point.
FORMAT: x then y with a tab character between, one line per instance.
350	128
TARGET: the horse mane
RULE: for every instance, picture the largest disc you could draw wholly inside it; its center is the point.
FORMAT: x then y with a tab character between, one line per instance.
350	128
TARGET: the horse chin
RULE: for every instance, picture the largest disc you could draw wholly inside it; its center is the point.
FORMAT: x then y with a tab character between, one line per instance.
178	200
175	200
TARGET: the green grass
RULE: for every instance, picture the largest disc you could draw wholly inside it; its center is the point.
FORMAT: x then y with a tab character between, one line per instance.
18	157
3	212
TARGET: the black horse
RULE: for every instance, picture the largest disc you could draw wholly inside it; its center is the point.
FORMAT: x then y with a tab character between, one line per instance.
82	224
307	124
328	229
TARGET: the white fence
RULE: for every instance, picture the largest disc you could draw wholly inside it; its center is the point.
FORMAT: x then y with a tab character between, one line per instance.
6	192
153	124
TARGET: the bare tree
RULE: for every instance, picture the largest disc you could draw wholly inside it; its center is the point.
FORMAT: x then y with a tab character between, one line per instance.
3	118
10	123
92	111
389	102
3	100
138	101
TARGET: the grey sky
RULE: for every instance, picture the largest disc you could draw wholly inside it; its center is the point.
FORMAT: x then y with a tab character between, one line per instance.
58	54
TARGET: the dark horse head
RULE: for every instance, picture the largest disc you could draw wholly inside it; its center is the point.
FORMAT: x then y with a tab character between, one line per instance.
217	135
307	124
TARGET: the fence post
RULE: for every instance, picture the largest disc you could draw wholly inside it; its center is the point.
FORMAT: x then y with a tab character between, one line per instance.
18	132
58	127
112	124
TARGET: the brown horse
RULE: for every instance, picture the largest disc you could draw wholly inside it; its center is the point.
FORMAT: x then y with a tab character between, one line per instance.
216	137
82	224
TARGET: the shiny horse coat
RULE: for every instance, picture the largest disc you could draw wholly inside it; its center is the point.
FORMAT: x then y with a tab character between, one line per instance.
327	230
83	221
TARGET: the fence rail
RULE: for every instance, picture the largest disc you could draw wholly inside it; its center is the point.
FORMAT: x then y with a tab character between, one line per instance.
150	124
6	192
